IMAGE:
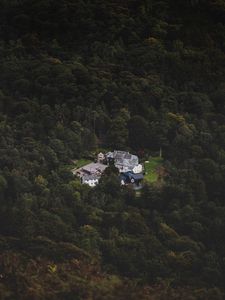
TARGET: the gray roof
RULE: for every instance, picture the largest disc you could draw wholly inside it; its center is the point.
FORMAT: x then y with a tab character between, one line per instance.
127	155
94	168
109	155
119	154
123	159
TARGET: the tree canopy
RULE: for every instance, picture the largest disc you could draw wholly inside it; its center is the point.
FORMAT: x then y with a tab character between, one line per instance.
81	76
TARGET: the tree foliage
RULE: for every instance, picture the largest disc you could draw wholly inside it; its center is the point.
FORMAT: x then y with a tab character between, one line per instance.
144	76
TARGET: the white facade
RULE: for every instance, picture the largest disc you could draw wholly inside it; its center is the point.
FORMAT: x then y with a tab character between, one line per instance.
101	157
124	161
137	169
91	182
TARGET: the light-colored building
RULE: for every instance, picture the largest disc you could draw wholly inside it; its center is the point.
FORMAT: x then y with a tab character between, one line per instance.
101	157
137	169
127	164
94	168
91	180
91	173
125	161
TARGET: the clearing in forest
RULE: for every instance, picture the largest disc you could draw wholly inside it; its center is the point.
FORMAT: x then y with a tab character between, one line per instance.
82	162
77	164
152	169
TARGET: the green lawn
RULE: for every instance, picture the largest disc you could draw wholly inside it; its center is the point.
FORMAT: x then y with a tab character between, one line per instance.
151	169
78	164
82	162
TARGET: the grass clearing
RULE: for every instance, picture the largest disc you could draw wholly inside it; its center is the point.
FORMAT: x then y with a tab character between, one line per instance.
151	167
82	162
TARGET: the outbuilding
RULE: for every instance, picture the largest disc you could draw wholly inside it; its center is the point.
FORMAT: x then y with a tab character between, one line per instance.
130	177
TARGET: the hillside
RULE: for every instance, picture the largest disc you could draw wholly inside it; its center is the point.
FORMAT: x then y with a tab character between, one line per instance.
79	76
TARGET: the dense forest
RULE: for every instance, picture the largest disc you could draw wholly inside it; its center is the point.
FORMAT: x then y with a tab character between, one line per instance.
77	76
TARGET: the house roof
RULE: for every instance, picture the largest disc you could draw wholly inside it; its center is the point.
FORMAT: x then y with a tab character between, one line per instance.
137	176
123	158
123	177
127	155
134	176
94	168
109	155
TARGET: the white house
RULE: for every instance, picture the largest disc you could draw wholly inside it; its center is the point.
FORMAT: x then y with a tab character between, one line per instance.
91	180
127	164
137	169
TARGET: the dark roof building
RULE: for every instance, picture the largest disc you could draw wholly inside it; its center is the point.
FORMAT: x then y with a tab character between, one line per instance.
135	177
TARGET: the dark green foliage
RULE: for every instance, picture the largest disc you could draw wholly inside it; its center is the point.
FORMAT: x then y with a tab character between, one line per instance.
144	76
